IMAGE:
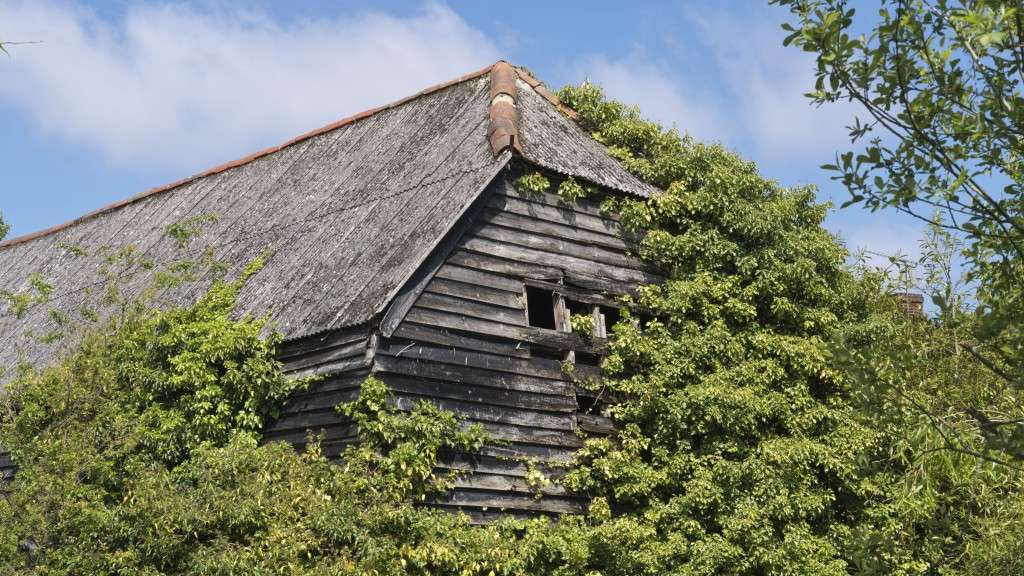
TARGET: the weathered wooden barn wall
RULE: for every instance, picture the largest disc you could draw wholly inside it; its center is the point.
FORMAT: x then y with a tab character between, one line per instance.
356	218
467	344
342	361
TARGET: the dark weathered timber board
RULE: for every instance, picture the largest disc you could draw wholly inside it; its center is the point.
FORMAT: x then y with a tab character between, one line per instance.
444	303
558	230
529	255
503	501
320	401
454	321
574	247
542	213
321	342
356	349
511	485
483	517
343	365
461	374
298	436
327	416
537	452
481	294
596	424
515	466
484	395
505	266
419	351
470	341
333	383
586	206
492	413
520	434
480	278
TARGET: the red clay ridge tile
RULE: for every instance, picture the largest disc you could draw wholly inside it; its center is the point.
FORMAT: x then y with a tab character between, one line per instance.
503	132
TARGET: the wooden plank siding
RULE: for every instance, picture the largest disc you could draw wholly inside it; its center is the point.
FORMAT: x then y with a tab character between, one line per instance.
466	345
341	360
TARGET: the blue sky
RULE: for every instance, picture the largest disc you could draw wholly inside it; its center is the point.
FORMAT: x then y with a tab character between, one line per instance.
122	96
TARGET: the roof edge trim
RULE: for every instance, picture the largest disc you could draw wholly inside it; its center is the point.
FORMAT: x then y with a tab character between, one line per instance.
546	94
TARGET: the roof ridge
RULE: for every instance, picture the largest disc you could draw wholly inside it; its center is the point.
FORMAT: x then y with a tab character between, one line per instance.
503	133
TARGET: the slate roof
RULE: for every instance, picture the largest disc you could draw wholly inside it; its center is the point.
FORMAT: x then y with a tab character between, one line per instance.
347	212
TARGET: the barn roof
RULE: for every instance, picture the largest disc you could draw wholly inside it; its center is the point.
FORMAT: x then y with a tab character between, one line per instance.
345	213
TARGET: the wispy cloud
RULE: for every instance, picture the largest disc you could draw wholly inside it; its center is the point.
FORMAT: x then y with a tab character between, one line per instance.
767	82
741	87
172	87
658	92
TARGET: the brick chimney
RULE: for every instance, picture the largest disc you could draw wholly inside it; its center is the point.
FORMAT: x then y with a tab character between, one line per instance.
910	303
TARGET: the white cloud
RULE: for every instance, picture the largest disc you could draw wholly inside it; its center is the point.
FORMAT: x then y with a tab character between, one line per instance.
736	83
636	81
767	82
171	87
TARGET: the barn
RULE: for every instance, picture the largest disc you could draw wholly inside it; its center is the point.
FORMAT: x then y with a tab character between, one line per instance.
399	245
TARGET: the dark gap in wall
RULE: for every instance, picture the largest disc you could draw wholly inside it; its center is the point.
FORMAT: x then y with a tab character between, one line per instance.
548	353
611	318
576	308
540	307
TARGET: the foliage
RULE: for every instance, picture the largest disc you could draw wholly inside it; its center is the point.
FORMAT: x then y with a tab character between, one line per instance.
570	190
775	417
184	231
952	497
582	325
756	437
410	441
941	81
139	454
739	443
18	303
533	182
4	227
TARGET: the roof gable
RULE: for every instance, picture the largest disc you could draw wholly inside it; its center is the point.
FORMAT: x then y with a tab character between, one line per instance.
346	213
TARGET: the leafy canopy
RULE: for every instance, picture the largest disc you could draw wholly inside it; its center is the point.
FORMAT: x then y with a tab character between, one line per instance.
942	83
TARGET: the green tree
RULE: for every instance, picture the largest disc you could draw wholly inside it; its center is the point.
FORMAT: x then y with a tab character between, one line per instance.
139	453
941	83
4	228
756	435
741	451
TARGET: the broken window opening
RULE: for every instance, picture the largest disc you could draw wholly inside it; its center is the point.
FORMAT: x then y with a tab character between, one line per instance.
540	307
